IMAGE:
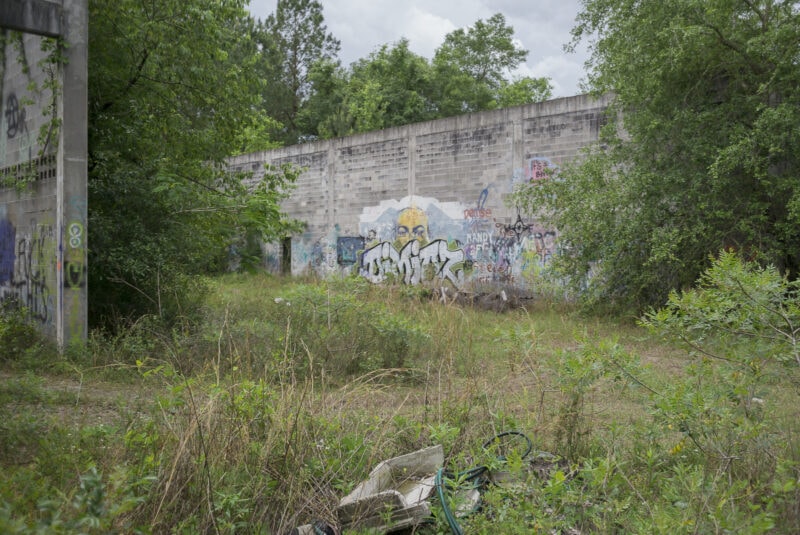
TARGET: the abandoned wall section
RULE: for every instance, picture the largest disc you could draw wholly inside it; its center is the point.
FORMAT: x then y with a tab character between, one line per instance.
43	147
427	201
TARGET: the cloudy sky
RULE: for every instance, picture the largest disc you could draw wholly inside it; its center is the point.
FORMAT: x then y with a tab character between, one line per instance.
541	26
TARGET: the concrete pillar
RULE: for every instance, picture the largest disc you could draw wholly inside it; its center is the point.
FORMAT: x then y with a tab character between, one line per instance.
330	208
411	137
72	189
62	224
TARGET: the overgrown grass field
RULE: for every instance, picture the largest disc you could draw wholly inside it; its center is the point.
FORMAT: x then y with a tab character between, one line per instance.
289	392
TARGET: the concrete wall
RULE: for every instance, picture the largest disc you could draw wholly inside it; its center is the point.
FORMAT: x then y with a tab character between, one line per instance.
43	165
427	201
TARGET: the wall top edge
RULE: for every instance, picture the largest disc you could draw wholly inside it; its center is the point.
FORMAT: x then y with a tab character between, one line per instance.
557	106
40	17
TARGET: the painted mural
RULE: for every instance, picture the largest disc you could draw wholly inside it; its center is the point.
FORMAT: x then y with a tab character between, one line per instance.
348	249
416	239
422	240
411	218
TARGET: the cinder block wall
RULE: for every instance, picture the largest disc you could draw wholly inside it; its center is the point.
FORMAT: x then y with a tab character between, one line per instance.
426	202
43	158
29	236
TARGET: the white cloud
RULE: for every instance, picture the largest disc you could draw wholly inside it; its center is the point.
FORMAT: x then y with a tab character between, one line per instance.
542	27
426	31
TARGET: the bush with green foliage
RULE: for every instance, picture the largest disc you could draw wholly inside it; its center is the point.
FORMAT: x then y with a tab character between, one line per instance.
17	334
700	151
173	92
739	313
740	325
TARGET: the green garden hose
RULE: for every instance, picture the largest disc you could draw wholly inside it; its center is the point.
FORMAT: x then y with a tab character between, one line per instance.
473	475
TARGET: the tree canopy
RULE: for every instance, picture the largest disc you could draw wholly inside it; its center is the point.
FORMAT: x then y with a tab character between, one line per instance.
471	71
472	64
294	39
701	153
390	87
171	94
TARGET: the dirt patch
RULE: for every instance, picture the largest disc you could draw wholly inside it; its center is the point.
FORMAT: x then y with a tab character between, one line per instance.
72	401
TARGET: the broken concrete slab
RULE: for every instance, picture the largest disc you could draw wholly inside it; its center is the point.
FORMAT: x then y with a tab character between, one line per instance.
394	496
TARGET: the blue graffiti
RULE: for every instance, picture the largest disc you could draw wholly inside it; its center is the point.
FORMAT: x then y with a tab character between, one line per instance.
7	256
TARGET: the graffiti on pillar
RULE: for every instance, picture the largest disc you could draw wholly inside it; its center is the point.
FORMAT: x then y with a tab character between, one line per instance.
8	237
74	266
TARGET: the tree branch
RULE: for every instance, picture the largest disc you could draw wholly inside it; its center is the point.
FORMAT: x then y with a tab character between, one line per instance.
137	74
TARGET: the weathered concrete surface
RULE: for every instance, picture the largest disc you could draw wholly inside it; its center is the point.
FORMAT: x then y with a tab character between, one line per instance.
427	200
43	206
33	16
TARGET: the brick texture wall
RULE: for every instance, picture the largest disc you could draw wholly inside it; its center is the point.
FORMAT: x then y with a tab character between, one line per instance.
427	202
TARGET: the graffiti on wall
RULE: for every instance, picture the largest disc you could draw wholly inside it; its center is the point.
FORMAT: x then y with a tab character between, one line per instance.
27	270
518	229
416	239
412	217
309	253
414	263
539	168
347	249
545	245
15	116
419	239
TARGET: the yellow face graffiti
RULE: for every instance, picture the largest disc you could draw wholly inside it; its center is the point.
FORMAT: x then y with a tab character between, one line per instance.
412	224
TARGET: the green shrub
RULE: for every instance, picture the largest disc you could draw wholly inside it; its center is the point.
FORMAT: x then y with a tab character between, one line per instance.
17	335
335	327
741	325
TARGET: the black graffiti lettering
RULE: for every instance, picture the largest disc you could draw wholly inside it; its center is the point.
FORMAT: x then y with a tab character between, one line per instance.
15	117
28	285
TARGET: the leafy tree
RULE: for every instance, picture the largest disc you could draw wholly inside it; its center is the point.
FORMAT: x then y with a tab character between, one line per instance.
471	66
295	40
390	87
393	86
523	90
403	80
325	115
171	94
701	151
